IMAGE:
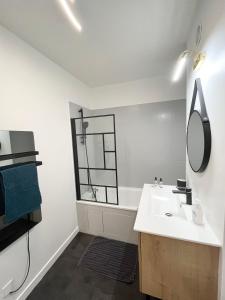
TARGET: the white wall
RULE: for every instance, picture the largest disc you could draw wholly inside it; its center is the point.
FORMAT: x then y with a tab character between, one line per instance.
34	95
210	186
147	90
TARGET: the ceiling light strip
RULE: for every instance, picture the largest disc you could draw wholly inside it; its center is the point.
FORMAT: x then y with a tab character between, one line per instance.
66	8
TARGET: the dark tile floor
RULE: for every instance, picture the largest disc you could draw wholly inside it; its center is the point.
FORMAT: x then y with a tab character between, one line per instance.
66	281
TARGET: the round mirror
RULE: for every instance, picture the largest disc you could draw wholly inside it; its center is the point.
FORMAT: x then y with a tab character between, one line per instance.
198	142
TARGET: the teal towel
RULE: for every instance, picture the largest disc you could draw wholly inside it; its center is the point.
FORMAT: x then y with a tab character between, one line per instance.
2	200
20	191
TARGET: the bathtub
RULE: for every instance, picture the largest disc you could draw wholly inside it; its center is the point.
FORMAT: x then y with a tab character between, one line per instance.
110	220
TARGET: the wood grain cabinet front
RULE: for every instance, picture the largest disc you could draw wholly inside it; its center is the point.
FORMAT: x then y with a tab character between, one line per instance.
172	269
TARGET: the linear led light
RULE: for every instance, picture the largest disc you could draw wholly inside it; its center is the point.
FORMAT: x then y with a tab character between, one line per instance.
66	8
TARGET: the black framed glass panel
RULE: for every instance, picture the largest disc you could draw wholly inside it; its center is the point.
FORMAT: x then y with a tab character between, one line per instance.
95	159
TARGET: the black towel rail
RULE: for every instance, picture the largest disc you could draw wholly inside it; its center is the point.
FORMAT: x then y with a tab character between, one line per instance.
21	155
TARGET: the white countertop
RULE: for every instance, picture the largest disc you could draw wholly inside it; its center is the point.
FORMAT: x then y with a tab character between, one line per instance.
151	219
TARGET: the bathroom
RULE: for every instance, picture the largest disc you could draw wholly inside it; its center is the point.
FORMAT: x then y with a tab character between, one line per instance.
104	105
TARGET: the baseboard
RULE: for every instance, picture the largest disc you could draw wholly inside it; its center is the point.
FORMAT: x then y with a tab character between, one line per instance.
34	282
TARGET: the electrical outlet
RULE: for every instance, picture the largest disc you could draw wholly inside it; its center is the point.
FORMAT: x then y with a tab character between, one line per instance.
7	288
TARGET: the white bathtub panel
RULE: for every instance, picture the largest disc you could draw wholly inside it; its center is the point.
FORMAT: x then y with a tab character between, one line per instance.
82	213
95	220
118	225
111	221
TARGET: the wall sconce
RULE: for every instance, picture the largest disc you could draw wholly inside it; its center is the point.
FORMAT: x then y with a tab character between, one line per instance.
197	56
198	60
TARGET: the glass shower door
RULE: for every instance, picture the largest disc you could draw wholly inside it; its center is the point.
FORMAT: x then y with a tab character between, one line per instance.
95	159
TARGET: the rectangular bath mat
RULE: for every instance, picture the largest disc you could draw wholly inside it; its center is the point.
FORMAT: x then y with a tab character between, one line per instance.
114	259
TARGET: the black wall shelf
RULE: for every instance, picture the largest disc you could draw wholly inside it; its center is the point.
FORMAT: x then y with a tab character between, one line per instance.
98	169
94	133
6	157
18	155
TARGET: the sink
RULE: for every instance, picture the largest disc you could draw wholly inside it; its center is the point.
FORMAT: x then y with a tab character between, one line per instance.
169	206
161	206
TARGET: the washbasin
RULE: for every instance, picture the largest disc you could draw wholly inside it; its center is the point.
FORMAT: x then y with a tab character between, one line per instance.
168	207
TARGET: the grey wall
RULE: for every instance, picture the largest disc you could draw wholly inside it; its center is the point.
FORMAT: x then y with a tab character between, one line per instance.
150	141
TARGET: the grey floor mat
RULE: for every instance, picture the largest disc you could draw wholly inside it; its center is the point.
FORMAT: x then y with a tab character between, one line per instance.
113	259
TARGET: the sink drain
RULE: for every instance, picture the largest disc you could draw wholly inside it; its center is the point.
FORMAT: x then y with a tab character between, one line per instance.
168	214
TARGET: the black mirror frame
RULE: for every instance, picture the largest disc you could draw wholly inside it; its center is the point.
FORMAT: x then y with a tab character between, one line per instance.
205	123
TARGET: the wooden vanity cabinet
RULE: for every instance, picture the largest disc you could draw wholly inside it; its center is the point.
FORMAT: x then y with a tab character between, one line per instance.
172	269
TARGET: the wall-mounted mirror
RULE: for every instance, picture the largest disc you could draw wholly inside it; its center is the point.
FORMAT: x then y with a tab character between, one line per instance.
198	132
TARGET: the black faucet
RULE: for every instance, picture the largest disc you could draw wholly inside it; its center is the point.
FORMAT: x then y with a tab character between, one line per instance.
186	191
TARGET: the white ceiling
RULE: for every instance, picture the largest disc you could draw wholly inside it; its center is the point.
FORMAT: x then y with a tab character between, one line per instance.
122	40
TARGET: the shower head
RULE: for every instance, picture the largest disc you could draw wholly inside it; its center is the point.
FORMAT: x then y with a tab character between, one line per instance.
85	125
